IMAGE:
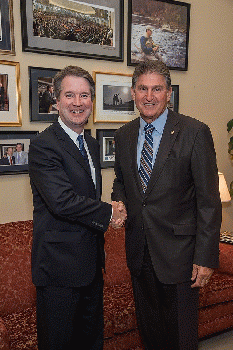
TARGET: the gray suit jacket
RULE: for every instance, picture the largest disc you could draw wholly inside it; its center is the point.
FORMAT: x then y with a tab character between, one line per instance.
180	213
23	158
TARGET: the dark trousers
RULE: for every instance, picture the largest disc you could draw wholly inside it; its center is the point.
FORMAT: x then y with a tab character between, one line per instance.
71	318
167	315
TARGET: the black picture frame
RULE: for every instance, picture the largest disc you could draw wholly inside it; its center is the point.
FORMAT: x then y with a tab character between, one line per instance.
10	139
169	21
106	141
7	42
64	40
39	79
174	100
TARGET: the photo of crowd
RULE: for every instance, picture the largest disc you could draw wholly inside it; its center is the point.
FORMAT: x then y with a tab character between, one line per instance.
66	23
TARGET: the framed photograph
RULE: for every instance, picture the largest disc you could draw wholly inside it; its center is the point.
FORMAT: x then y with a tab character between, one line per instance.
107	147
174	100
10	94
14	147
89	29
158	31
42	101
113	102
7	42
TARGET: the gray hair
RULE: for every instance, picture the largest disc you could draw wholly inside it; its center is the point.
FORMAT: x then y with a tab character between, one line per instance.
76	72
149	66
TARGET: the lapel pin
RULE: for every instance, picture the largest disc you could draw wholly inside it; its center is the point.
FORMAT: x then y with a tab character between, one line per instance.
172	132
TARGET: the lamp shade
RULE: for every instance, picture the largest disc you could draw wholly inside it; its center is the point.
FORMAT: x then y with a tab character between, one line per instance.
223	189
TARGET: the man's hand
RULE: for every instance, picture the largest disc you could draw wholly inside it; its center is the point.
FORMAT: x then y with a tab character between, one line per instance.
201	275
119	214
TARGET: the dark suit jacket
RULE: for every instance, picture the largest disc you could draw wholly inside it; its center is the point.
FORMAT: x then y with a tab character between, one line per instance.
180	213
5	161
69	218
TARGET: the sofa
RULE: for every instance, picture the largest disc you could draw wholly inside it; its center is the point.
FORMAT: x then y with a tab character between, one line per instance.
18	297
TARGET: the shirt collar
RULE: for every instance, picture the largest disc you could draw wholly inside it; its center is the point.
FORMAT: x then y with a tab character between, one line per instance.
72	134
158	123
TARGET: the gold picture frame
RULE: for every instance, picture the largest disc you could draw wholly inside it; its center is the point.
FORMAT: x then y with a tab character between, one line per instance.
7	42
10	102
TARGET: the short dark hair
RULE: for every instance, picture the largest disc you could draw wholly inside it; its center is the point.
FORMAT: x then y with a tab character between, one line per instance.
72	71
149	66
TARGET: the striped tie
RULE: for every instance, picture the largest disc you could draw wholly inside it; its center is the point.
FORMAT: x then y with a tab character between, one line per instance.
145	168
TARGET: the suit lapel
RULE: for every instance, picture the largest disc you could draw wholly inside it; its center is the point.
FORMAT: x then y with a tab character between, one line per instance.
68	145
170	133
133	152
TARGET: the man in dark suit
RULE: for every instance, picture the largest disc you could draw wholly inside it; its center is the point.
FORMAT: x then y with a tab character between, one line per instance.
69	221
8	158
166	175
47	100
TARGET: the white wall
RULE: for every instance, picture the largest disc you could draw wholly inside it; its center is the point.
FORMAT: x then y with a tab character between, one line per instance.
205	93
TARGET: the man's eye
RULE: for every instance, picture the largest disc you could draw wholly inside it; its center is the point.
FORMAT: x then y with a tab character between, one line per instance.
84	95
69	95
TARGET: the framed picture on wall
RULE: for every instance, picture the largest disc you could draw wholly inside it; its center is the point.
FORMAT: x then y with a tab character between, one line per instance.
113	102
10	94
14	147
7	42
90	29
158	31
107	147
42	101
174	100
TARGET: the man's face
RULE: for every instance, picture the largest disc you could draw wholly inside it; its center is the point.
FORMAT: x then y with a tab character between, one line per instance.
10	151
75	104
149	32
18	148
151	96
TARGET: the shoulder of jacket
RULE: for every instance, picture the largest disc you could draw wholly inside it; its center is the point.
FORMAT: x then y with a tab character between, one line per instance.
129	126
188	121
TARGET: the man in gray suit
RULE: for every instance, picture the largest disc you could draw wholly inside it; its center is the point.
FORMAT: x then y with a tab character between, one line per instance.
69	221
166	175
21	157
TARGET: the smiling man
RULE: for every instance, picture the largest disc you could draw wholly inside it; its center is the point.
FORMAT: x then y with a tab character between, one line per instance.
167	177
69	221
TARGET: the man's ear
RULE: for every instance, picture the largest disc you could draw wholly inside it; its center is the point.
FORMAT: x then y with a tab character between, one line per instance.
169	94
133	93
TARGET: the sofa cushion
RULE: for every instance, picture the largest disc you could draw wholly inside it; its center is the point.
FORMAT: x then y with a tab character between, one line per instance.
117	271
226	258
4	336
218	290
16	289
215	318
21	327
119	309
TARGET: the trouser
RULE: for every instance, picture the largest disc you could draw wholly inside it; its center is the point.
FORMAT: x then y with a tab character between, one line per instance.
71	318
167	315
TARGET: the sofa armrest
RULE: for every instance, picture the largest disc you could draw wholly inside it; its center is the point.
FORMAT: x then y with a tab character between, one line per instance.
4	336
225	258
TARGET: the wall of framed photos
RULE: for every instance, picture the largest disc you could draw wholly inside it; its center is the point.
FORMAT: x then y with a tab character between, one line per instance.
203	85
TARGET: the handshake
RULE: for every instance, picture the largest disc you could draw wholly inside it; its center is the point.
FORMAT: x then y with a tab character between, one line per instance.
119	214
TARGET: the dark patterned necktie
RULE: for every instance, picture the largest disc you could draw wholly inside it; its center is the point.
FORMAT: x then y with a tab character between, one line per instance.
145	168
83	150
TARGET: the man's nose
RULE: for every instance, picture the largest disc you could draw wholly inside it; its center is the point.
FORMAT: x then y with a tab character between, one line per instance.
77	100
149	95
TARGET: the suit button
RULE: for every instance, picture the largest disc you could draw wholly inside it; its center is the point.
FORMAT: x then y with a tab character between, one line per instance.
143	204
